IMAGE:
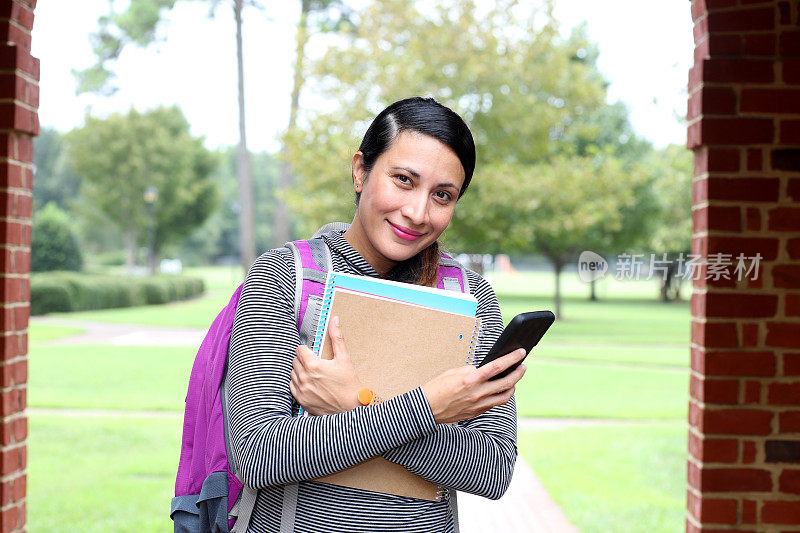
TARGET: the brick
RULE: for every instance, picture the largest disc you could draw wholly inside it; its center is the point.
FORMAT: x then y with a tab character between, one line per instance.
752	392
716	160
712	101
736	422
737	70
737	131
789	422
769	101
786	276
748	246
13	401
789	44
790	132
714	335
784	219
735	480
719	218
749	334
12	460
753	219
791	364
786	159
793	247
713	510
700	29
713	450
784	394
13	56
790	71
782	451
11	175
737	305
759	44
762	18
755	160
717	391
783	334
780	512
741	189
739	364
748	512
789	481
748	452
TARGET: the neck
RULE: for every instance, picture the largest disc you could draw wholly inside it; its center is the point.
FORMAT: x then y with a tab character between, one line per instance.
357	238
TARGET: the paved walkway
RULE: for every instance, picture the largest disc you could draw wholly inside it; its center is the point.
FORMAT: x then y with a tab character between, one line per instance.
525	507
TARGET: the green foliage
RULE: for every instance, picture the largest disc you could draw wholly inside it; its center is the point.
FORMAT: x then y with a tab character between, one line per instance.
53	179
120	156
68	292
673	169
53	244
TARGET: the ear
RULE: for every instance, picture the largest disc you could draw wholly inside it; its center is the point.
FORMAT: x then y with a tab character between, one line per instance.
359	174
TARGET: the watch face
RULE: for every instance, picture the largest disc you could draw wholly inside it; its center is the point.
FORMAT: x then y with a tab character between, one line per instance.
365	396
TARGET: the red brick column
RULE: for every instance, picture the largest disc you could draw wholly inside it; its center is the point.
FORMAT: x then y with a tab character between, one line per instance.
744	412
19	122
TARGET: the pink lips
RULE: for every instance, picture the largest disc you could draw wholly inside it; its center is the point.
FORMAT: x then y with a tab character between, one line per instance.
405	233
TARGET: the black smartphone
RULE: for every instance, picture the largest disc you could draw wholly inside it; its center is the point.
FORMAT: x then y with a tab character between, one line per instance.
524	331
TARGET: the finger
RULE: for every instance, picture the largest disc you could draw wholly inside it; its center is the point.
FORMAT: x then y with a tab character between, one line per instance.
299	362
305	355
502	363
337	339
507	382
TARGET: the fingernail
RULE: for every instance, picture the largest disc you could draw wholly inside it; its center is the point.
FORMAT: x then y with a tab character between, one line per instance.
521	351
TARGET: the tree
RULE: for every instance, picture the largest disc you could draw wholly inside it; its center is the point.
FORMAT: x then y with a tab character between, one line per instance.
316	14
53	179
54	246
119	157
672	185
137	26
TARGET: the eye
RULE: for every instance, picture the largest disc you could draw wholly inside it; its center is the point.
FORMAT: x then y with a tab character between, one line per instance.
401	177
446	195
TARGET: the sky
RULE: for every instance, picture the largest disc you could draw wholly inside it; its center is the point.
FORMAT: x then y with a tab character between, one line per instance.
645	53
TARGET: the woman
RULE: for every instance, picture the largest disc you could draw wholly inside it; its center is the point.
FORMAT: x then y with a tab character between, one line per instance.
415	162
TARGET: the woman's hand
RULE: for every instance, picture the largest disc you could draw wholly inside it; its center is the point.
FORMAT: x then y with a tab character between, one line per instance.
325	386
465	392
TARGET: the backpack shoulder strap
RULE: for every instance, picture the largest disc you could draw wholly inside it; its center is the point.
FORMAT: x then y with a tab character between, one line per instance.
452	275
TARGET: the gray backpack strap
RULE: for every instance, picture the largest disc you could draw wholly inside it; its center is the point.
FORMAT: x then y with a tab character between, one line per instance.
322	256
454	509
244	509
332	226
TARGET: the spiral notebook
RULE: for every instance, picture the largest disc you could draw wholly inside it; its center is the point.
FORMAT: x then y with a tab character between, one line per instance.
399	336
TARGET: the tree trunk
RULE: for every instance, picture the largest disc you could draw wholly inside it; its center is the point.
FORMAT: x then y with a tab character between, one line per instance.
281	226
247	242
592	295
130	247
668	283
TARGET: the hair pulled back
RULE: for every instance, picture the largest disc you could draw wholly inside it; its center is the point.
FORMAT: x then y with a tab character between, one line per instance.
428	117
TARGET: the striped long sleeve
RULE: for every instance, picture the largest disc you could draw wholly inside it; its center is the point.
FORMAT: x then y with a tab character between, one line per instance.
273	447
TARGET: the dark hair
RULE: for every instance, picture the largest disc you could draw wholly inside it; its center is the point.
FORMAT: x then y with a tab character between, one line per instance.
428	117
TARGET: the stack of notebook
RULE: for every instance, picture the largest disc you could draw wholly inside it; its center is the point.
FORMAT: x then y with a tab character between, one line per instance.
399	336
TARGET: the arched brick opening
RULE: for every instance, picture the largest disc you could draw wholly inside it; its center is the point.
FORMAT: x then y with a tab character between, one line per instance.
19	123
744	412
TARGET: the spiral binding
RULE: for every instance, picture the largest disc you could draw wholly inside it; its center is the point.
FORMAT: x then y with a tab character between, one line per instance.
323	314
473	341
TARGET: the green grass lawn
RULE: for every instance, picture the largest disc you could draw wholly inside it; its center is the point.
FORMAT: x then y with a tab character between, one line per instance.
45	332
620	358
109	377
614	478
101	474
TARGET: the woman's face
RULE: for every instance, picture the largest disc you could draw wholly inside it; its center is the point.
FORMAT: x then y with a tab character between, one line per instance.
407	200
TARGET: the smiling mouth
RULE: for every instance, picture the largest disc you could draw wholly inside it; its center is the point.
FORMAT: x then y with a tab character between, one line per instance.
405	233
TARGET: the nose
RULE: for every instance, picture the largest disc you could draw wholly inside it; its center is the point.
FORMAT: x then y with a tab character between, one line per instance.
415	209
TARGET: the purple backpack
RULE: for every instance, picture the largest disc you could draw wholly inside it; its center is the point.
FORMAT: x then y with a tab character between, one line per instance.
209	497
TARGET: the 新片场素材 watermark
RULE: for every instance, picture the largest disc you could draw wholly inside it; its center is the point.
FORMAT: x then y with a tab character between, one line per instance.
592	266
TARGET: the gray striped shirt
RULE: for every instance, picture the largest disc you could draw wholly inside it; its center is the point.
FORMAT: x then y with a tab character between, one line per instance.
273	447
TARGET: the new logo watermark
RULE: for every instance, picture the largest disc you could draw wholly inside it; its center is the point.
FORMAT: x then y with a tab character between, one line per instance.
591	266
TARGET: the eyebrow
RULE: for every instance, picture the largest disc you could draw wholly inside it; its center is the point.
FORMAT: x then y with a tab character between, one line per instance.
416	175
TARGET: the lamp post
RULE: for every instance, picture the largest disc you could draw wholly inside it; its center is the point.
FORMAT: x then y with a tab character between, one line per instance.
150	197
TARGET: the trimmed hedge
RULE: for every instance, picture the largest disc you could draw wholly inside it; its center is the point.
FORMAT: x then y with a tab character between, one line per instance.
71	291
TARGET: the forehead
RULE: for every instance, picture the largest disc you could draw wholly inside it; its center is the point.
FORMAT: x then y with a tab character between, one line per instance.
425	155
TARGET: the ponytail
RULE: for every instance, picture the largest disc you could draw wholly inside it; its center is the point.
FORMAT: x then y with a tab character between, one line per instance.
422	269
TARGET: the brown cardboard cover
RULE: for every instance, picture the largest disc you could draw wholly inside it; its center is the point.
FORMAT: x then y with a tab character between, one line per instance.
396	347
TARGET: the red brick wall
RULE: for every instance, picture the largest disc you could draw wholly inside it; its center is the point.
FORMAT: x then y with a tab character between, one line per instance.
744	412
19	99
